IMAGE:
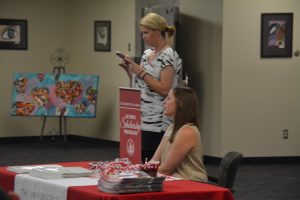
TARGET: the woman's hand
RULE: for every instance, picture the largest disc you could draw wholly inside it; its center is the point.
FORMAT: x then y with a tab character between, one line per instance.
126	66
161	86
135	68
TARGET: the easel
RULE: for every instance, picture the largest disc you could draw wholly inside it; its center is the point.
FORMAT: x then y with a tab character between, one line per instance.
57	71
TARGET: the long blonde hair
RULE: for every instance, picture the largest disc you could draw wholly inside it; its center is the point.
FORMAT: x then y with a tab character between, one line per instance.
156	22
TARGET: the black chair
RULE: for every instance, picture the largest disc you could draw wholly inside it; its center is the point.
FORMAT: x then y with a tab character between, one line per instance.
227	170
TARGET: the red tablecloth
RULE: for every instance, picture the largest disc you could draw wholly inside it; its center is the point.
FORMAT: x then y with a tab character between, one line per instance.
173	190
7	179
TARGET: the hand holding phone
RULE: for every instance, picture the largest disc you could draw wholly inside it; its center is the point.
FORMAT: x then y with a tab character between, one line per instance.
121	55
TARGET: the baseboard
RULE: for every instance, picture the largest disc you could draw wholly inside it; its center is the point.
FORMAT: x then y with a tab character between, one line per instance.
271	160
207	159
94	140
211	160
257	160
70	138
20	139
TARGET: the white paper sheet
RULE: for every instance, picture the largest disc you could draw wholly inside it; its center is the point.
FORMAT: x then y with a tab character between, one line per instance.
32	188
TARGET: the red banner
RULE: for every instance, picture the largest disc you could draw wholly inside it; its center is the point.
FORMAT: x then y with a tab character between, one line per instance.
130	124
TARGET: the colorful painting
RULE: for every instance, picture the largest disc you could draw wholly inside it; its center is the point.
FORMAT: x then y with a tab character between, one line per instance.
276	35
69	95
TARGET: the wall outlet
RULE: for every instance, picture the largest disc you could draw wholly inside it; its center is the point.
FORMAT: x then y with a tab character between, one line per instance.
285	134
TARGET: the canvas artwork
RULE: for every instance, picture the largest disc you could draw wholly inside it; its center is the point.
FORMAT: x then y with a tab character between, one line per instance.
276	35
69	95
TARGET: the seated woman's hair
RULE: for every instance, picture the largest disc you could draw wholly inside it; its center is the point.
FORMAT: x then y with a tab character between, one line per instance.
186	110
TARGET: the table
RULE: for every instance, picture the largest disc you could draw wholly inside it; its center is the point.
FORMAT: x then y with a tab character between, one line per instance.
173	190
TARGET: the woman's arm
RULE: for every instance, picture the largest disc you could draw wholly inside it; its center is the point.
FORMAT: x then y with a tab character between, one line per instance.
161	86
127	69
157	154
183	143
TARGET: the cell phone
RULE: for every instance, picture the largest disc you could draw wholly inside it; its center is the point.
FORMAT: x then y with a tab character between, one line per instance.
121	55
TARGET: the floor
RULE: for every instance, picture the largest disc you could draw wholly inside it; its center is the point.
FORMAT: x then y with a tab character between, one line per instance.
253	182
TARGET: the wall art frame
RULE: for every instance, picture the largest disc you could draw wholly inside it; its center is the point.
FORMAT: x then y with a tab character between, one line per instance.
13	34
276	35
40	94
102	35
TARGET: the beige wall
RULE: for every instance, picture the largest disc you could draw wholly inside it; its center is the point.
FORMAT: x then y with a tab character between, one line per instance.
68	24
245	101
201	50
86	60
49	25
260	97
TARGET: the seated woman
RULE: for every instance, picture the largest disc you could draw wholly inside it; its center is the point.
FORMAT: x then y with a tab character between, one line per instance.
180	150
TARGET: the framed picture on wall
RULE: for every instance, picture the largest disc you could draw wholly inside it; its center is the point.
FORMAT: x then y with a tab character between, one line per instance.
102	35
276	35
13	34
45	95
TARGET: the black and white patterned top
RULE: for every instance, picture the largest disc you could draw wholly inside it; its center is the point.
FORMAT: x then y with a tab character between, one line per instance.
151	102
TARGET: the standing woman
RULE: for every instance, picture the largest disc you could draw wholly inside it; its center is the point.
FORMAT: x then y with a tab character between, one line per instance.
159	71
180	151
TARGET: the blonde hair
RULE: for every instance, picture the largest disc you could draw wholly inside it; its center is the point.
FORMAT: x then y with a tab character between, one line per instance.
156	22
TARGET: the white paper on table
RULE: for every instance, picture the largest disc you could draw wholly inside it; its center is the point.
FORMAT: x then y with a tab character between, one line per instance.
60	172
25	169
32	188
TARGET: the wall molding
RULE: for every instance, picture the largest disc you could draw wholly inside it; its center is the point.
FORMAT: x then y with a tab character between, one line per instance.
207	159
258	160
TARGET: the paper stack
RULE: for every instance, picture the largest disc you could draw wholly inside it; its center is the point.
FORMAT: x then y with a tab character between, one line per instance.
60	172
25	169
130	182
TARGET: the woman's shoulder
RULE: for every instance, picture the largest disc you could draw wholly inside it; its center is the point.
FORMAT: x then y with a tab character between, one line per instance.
187	133
148	51
170	54
190	125
169	130
169	50
190	129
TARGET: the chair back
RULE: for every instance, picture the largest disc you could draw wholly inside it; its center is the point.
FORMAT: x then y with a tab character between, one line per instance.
228	169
